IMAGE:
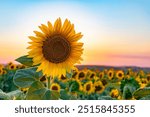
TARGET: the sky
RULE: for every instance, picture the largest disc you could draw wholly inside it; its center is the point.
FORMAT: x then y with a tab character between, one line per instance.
115	32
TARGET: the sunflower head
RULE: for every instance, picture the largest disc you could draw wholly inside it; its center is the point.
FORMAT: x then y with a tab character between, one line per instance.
92	75
55	87
101	75
4	72
98	86
18	66
81	75
24	90
1	71
43	79
12	67
110	74
148	77
88	87
10	63
120	74
1	66
56	49
75	74
114	93
63	78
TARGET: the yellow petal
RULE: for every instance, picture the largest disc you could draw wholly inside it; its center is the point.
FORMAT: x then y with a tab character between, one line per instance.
39	34
44	28
75	37
57	25
50	27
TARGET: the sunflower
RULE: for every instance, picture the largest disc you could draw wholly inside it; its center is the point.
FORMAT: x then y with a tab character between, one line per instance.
75	69
98	86
110	74
80	85
104	82
43	79
1	66
18	66
75	75
148	77
4	72
10	63
101	75
12	67
129	72
143	82
81	75
24	90
55	87
92	75
63	78
120	74
1	71
114	93
56	49
88	87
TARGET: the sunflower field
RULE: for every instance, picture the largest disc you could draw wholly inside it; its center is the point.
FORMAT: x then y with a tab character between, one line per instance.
22	82
49	71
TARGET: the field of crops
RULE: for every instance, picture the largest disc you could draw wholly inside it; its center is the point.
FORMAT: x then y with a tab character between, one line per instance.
22	82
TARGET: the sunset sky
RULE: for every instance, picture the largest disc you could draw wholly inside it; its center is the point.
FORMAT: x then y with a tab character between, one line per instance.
116	32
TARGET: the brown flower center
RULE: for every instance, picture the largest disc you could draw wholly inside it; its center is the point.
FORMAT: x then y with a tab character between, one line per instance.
98	88
88	87
81	75
55	88
120	74
92	75
63	78
56	49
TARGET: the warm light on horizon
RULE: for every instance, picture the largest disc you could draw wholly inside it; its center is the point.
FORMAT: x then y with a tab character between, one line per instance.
114	35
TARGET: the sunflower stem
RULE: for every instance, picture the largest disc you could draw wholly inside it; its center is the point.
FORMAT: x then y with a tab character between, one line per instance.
49	82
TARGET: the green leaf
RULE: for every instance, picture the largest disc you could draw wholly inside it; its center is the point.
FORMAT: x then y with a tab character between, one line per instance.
25	77
36	91
47	95
114	85
25	60
55	95
3	95
127	92
130	81
64	95
141	92
105	98
73	86
145	98
15	94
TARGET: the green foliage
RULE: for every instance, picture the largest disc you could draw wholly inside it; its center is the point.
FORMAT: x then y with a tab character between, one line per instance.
6	81
25	60
145	98
105	98
38	91
25	77
64	95
17	95
142	92
127	91
128	86
73	86
3	95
